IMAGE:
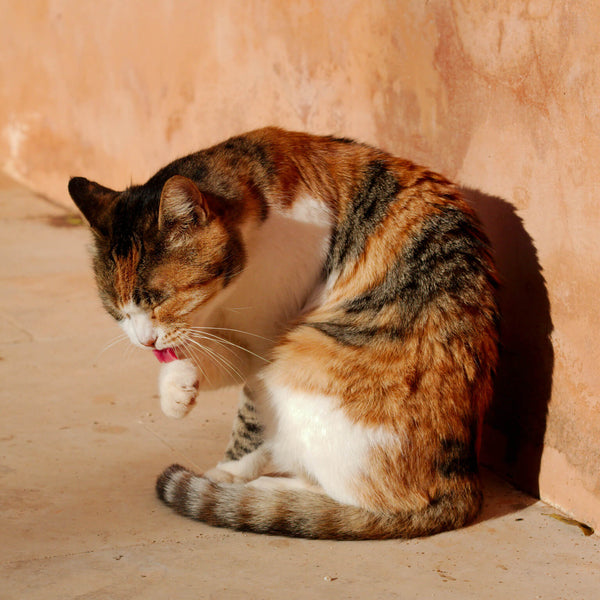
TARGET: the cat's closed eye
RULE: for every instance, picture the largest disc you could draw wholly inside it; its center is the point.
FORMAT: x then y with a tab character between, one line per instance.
149	298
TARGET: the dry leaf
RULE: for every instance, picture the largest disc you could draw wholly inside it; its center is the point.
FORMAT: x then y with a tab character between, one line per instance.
587	530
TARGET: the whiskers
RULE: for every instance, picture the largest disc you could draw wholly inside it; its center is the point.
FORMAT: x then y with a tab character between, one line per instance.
123	337
202	342
211	349
192	353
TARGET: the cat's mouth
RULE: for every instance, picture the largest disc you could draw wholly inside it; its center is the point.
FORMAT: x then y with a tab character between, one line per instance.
166	355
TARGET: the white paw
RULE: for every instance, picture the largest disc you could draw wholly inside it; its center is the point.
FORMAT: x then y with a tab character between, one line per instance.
217	475
178	387
247	468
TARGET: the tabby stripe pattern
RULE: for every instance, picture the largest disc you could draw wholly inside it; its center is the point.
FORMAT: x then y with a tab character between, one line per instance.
246	434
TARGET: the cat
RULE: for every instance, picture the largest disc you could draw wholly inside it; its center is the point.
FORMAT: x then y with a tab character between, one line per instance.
354	295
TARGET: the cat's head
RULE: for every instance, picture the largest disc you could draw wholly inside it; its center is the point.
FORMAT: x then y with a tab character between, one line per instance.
160	253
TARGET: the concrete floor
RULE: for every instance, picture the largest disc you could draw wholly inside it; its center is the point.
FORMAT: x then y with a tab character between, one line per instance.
82	439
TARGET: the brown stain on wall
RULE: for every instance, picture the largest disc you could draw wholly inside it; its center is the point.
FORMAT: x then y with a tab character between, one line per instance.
502	97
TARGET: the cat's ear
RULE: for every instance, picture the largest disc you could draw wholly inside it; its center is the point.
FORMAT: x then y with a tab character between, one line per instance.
94	201
182	205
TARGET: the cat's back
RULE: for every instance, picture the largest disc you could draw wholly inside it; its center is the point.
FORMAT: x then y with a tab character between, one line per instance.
407	317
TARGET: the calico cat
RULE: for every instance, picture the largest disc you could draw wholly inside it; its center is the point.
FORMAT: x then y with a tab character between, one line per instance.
354	294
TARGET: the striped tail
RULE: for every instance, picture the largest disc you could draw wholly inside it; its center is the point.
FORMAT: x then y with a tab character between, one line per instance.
300	513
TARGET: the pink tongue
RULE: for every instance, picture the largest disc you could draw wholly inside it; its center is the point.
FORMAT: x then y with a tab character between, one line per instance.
165	356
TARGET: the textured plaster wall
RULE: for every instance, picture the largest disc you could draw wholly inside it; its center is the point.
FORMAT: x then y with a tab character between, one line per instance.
500	96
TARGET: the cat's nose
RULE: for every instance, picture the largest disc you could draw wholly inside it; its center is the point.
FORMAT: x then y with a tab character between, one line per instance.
149	342
140	328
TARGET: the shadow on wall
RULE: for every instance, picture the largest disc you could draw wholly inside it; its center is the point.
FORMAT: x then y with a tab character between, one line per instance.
516	422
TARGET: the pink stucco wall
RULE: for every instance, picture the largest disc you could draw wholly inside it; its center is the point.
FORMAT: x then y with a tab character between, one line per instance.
502	97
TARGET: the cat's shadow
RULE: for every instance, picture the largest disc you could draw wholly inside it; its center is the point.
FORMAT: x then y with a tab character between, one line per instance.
516	422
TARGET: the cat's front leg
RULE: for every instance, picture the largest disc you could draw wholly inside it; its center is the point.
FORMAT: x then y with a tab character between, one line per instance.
247	468
178	387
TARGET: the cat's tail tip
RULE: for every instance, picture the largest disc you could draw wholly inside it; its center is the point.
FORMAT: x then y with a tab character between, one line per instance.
166	484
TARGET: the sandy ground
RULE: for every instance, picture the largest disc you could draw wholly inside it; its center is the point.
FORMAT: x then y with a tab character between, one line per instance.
82	440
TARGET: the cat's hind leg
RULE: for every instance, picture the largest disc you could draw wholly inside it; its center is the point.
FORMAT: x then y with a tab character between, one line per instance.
269	482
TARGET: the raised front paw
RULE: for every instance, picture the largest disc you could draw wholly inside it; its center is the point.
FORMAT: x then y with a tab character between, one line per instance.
178	387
